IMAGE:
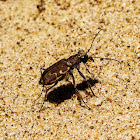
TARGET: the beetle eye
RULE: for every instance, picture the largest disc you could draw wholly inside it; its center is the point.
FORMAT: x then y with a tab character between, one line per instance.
84	58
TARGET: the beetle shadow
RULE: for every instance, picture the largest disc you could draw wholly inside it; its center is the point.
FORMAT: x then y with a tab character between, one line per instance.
64	92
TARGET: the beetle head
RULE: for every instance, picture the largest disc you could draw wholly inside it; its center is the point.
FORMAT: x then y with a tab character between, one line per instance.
83	56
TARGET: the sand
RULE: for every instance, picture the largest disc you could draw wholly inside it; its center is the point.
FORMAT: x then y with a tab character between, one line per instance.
31	38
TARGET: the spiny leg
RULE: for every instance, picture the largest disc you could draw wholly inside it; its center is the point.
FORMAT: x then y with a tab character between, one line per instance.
87	69
42	69
91	58
42	88
87	82
45	95
39	95
67	77
80	97
86	65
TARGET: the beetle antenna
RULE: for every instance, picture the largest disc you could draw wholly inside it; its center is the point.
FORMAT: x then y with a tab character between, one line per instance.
105	58
93	41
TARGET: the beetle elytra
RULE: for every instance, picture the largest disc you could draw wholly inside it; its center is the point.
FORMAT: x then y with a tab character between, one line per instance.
60	69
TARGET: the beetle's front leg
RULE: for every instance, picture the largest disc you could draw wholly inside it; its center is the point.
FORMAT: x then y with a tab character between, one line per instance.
87	81
78	94
87	69
91	58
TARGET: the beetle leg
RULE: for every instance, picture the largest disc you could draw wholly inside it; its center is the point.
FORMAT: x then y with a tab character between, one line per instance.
67	77
91	58
80	97
45	95
78	94
87	69
39	95
42	69
86	65
73	78
87	82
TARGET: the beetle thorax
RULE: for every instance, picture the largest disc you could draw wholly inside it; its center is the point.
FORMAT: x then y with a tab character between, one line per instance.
81	53
76	59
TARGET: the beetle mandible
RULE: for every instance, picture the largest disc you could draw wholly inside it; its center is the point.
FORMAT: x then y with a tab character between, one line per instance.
60	69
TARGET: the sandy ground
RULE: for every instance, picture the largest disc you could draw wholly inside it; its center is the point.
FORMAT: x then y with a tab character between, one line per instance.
34	36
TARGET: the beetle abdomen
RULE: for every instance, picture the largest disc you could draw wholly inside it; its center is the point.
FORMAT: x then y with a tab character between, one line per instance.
55	72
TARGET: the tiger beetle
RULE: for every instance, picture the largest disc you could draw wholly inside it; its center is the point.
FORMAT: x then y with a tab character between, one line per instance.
60	69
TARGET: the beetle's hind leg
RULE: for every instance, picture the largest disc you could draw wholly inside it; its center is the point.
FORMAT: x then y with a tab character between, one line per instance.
42	88
45	95
39	95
